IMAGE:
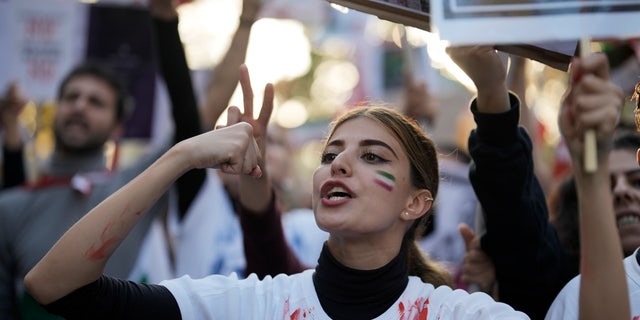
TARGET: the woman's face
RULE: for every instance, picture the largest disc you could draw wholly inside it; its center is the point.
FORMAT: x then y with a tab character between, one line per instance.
362	185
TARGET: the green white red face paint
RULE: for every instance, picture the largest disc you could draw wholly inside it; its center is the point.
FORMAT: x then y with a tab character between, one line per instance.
385	180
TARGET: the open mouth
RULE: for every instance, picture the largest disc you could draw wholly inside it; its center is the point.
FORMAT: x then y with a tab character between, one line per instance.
337	193
334	191
628	219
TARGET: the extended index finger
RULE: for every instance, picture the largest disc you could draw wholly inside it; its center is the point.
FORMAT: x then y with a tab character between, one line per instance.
247	91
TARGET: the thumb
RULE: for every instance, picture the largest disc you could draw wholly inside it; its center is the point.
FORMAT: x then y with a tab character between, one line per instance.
467	234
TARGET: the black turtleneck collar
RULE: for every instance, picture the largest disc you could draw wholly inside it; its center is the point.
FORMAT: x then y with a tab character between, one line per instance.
346	293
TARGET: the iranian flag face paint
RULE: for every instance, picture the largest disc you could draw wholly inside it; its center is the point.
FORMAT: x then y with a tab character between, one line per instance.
385	180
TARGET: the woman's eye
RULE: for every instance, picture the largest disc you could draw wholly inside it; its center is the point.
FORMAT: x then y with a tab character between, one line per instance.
373	158
327	157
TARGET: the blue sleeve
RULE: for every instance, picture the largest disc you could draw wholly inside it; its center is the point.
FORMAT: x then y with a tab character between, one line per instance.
531	264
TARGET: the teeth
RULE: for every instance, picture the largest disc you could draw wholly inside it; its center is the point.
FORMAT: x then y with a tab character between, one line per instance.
337	193
629	219
337	189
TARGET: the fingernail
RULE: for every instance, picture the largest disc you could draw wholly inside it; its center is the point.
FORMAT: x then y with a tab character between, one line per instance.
256	172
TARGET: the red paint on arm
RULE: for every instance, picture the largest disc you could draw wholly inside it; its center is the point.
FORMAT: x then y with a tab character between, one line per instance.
105	244
99	253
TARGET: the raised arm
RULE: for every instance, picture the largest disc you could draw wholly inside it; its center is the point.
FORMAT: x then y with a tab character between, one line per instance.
593	102
518	238
255	194
266	249
11	105
80	255
177	78
225	76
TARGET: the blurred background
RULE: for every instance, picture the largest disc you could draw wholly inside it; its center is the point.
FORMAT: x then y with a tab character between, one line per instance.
321	58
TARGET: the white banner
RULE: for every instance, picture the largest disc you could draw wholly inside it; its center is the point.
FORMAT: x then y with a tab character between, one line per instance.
5	50
531	21
47	39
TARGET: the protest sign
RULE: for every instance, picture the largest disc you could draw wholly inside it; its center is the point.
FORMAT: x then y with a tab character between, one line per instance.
412	13
531	21
543	30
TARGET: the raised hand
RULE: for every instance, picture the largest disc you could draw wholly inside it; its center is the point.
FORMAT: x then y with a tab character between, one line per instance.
254	194
11	105
232	149
234	115
418	102
477	267
481	63
489	74
592	102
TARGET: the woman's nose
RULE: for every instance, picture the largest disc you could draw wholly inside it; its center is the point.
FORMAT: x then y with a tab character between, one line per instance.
340	165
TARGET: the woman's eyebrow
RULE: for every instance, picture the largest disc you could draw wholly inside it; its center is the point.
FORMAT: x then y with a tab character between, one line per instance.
335	143
373	142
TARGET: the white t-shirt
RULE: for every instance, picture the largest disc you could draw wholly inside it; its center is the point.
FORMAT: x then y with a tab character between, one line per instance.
566	304
294	297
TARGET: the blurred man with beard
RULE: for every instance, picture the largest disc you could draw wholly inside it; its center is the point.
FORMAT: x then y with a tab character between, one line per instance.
91	110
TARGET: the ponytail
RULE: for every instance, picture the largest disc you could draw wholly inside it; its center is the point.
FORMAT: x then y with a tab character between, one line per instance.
420	265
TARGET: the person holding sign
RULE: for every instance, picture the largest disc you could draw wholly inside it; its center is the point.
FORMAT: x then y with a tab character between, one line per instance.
518	237
514	205
565	304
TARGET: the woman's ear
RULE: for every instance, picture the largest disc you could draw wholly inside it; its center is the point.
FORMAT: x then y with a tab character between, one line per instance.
419	204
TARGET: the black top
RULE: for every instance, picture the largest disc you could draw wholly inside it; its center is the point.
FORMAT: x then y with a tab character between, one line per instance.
531	264
111	298
346	293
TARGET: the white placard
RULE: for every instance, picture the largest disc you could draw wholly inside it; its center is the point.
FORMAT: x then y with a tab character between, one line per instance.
5	50
47	38
531	21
